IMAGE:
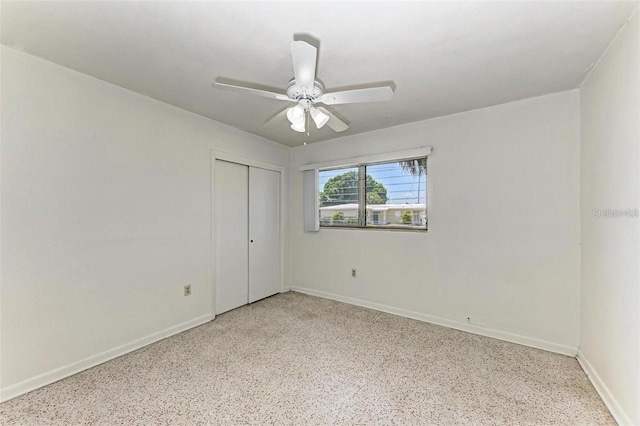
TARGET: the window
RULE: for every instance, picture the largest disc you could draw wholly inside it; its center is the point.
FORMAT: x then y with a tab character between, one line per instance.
389	195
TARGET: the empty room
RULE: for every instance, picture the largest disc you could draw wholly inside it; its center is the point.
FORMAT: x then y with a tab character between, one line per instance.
319	212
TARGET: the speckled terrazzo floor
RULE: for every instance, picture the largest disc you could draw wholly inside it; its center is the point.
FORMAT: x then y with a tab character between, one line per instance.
297	359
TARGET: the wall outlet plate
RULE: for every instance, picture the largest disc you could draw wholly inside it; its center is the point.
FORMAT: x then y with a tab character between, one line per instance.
353	273
187	290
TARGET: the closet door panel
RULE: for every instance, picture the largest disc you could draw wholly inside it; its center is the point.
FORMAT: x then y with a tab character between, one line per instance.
231	207
264	233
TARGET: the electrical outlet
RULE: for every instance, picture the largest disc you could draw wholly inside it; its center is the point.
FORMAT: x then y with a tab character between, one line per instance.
353	273
187	290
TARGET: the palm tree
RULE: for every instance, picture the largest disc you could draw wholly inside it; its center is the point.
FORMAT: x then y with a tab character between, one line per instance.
416	167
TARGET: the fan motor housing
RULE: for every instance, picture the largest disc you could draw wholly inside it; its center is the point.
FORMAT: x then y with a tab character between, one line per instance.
296	92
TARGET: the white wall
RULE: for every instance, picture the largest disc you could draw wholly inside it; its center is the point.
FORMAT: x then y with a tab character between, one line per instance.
610	315
504	226
105	216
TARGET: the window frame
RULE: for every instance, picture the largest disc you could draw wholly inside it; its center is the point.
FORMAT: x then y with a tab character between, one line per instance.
362	194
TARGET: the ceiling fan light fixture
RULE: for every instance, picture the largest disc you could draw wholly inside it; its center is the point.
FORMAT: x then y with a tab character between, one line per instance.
295	115
319	117
299	127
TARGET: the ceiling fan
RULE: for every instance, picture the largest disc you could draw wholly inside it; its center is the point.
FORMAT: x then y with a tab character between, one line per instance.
308	93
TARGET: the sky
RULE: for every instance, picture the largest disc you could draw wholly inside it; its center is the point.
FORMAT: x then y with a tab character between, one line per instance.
402	188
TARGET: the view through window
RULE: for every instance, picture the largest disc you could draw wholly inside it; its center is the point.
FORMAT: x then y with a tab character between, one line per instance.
390	195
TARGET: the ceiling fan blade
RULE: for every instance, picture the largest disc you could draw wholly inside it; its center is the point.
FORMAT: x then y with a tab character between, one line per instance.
280	116
334	122
225	84
304	58
372	94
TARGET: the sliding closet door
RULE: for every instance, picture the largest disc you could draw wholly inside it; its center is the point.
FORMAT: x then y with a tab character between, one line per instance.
231	206
264	233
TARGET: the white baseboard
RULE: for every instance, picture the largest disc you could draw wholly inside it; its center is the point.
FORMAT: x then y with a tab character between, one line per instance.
607	397
496	334
47	378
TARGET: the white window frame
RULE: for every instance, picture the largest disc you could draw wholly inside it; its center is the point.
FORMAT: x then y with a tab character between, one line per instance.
311	219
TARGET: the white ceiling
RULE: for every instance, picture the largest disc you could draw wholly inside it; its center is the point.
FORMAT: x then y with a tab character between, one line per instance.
442	57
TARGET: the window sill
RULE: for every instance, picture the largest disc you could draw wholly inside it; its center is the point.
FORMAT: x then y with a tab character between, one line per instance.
375	228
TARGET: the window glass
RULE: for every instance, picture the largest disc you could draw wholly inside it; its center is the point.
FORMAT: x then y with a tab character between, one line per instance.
338	192
395	195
